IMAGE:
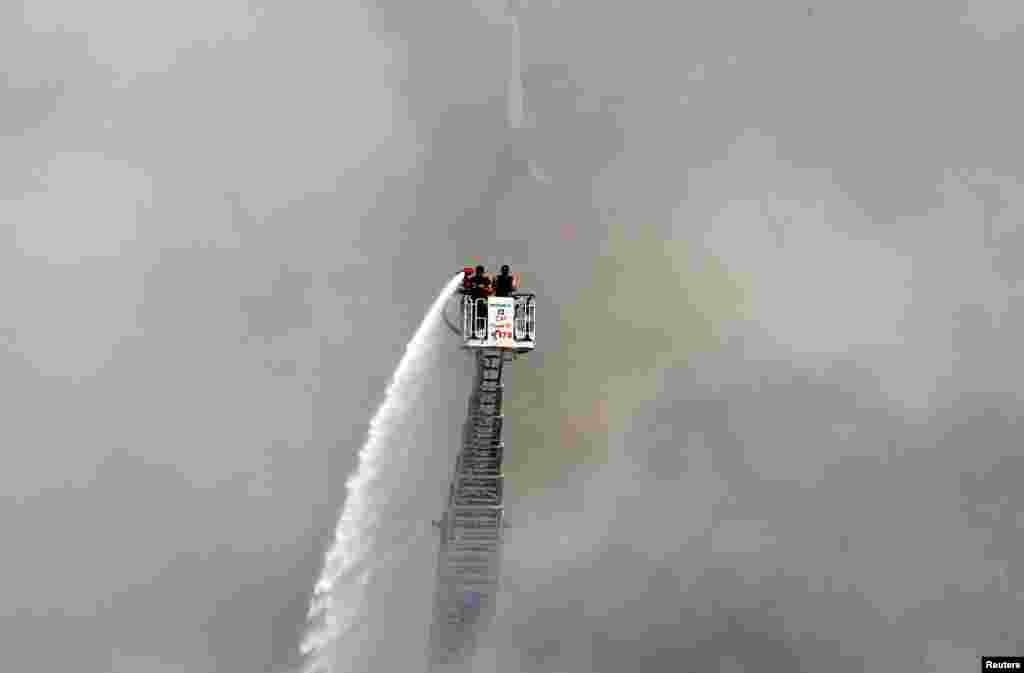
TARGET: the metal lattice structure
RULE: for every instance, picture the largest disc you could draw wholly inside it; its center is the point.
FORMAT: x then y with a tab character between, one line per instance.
495	330
469	561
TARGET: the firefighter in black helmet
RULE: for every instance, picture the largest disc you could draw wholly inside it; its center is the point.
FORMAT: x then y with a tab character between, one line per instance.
505	284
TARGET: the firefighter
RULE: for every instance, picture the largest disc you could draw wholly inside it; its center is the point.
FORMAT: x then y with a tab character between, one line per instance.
481	284
505	284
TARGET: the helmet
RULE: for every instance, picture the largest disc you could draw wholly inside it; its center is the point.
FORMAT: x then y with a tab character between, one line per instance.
504	269
480	269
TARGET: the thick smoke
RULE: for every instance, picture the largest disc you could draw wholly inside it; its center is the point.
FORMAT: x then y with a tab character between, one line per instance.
216	219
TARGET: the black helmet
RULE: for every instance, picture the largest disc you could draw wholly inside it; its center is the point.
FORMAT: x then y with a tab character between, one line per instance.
504	269
480	269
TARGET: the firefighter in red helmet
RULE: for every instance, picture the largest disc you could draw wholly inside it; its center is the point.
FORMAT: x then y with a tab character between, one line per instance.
481	284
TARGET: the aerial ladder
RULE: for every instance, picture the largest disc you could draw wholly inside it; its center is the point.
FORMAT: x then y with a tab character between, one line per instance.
496	330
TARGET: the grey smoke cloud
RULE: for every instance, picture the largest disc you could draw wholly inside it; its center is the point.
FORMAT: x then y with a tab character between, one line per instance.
221	223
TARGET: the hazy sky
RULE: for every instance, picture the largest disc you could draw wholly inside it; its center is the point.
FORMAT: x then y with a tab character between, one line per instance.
221	221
